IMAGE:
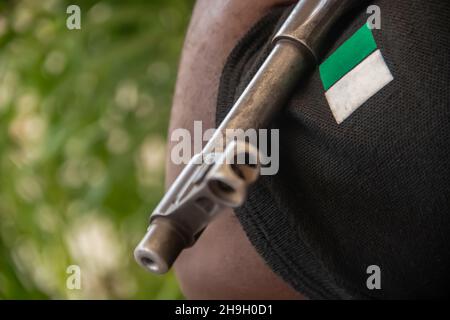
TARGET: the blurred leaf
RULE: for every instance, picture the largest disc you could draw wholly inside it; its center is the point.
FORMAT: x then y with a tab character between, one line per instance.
83	116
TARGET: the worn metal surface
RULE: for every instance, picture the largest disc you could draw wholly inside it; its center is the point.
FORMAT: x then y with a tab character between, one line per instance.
310	21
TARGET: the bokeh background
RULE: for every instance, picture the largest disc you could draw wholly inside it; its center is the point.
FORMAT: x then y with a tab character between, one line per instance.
83	120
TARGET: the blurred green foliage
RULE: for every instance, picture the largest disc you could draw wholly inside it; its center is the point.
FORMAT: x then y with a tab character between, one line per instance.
83	120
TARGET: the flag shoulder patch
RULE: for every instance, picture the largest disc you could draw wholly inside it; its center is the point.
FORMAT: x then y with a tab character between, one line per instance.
354	73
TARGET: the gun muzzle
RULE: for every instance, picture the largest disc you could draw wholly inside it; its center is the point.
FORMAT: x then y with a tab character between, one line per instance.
202	190
197	195
160	246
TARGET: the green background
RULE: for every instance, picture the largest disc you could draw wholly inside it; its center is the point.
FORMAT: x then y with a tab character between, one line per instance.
83	120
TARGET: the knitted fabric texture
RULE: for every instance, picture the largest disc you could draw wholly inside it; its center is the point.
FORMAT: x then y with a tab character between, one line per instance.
373	190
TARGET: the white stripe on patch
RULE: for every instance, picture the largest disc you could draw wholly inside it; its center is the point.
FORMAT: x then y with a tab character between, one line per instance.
358	86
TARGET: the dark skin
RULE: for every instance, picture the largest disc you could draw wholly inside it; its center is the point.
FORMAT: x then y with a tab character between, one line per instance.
222	264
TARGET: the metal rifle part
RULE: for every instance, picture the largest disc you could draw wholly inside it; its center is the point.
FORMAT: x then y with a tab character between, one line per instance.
209	183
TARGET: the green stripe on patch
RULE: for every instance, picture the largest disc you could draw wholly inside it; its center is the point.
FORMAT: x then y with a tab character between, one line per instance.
347	56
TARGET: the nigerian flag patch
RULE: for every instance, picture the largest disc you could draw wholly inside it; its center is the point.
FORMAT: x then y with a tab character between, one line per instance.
354	73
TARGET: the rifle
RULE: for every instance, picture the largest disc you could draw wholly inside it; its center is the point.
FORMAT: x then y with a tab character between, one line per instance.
204	188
